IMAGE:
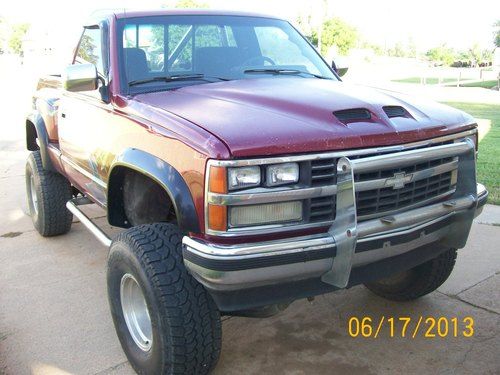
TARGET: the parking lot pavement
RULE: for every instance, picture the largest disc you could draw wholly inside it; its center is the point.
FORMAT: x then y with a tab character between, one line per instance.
54	316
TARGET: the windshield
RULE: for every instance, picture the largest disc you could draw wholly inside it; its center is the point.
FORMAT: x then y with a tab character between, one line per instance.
173	51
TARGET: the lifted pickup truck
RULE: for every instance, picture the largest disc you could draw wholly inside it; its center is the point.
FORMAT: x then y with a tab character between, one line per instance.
246	175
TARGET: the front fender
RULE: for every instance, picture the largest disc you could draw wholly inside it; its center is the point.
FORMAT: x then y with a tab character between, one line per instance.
36	129
166	176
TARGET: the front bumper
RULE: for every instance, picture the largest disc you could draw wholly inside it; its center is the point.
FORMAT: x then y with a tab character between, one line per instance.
235	267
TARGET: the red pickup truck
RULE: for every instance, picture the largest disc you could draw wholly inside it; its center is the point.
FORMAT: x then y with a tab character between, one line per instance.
246	175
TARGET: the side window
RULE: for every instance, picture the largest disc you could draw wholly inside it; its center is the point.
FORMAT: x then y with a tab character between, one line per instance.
89	50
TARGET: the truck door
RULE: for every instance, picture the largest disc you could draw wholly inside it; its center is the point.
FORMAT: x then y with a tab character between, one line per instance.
82	121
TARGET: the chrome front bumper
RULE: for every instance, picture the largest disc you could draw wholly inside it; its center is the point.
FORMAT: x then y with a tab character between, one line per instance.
348	243
222	267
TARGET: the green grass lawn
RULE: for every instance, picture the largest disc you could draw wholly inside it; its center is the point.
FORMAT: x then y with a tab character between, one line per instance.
488	165
429	80
484	84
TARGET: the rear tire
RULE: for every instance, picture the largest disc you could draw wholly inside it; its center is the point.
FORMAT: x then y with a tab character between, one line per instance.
182	331
47	194
418	281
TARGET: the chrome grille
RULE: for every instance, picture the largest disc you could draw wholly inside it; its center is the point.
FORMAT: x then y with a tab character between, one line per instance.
375	202
322	209
323	172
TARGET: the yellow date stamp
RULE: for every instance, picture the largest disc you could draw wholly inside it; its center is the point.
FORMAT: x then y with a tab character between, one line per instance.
410	327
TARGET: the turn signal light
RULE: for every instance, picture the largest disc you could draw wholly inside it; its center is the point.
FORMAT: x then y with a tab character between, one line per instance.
217	182
217	217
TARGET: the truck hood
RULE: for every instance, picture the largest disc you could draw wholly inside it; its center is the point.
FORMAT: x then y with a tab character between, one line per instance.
286	115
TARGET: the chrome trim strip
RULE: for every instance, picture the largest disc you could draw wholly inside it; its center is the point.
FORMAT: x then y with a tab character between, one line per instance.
269	229
94	229
404	230
86	173
403	159
246	251
338	154
416	176
275	196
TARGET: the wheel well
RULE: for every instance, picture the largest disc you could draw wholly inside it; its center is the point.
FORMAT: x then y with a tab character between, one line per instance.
134	199
31	136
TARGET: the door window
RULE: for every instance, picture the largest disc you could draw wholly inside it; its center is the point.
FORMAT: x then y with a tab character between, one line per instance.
90	49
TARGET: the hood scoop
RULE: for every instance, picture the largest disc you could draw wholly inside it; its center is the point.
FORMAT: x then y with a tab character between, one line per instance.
396	111
346	116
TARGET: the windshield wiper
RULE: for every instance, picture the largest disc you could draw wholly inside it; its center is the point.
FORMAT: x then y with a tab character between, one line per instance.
283	72
179	77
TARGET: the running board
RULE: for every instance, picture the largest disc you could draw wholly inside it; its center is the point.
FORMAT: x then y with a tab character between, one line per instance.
72	205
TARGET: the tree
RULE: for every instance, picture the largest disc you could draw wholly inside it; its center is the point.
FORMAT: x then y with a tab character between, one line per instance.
475	54
16	37
412	48
336	32
441	54
401	49
377	49
496	34
87	51
397	51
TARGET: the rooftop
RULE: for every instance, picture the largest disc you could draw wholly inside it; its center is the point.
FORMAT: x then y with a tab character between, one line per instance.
124	13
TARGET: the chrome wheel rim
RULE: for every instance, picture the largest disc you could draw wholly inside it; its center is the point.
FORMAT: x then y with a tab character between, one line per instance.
135	312
34	198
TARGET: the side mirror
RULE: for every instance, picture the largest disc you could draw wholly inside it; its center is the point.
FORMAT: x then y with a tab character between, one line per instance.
80	77
340	69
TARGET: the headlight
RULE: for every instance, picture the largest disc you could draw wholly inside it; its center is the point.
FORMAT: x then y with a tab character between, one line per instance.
282	174
265	214
244	177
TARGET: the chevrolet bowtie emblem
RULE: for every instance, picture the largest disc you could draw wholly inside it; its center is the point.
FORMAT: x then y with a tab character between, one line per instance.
399	180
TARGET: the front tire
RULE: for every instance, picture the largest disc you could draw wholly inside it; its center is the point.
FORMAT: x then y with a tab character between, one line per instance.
418	281
47	194
166	321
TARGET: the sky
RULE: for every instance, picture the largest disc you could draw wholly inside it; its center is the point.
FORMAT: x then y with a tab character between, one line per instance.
429	23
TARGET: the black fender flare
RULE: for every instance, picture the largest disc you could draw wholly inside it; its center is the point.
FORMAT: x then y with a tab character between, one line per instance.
166	176
35	120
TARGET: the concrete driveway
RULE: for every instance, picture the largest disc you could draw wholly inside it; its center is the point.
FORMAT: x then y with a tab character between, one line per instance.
54	316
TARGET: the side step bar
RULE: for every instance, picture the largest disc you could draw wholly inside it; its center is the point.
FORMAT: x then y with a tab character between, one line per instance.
72	205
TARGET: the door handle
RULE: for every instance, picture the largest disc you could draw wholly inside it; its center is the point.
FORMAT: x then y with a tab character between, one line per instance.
63	115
